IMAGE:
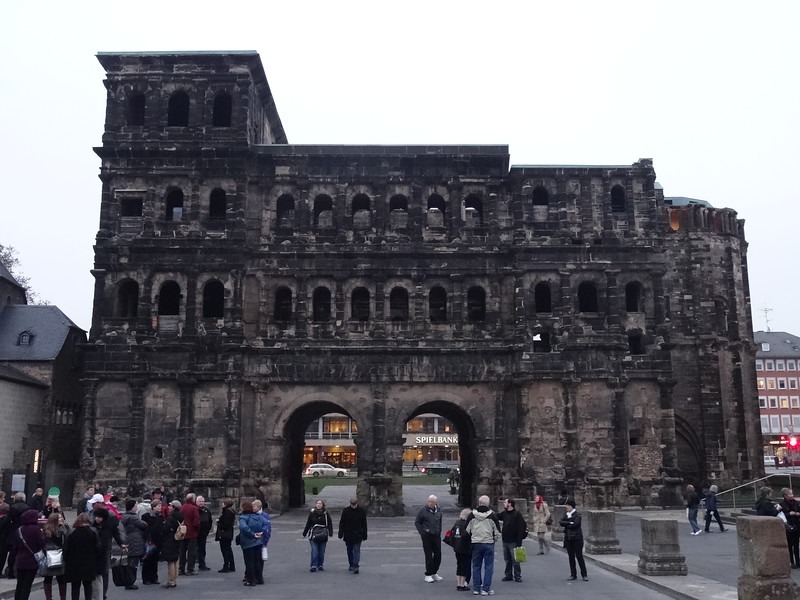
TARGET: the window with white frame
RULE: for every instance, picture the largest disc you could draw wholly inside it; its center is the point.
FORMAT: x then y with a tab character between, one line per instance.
770	365
784	401
792	383
765	347
773	402
780	365
781	383
795	402
762	402
786	423
762	383
796	422
771	385
774	423
759	365
791	365
764	424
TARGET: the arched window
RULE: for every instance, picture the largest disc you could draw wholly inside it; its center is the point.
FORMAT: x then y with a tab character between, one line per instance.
283	304
476	304
322	304
178	110
58	416
221	116
127	302
169	299
540	196
473	210
359	304
136	109
617	199
437	305
214	300
587	297
542	300
398	202
70	418
217	205
284	210
323	211
633	297
174	210
360	202
436	201
635	343
398	304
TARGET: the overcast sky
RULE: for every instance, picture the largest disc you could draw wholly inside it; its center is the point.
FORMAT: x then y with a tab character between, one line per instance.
709	90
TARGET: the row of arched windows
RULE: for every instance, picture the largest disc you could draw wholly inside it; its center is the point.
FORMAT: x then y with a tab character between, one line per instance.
178	109
217	205
169	301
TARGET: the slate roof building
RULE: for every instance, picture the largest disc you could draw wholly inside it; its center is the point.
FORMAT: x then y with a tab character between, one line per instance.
576	329
41	396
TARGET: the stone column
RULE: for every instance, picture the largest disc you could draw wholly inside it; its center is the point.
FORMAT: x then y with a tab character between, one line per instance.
661	552
613	299
602	528
762	557
99	304
557	512
620	432
136	436
185	429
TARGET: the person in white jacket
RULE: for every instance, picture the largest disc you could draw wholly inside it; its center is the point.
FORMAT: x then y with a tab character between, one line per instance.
483	527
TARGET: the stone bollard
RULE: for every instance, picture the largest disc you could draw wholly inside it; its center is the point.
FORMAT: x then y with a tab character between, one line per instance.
661	553
602	530
763	556
521	504
557	512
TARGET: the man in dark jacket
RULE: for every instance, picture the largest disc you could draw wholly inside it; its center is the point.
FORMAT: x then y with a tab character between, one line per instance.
353	530
573	540
206	522
514	532
135	530
37	501
154	535
106	526
429	526
711	509
191	518
18	508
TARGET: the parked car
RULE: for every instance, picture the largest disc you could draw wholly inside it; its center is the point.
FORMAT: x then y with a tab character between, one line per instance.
324	470
436	467
769	461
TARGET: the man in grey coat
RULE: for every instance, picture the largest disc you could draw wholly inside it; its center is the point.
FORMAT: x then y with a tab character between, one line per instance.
429	526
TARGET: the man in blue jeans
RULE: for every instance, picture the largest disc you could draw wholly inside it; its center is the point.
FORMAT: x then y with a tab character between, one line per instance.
483	527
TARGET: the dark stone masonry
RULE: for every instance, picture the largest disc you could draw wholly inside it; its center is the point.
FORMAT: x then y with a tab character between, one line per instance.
579	329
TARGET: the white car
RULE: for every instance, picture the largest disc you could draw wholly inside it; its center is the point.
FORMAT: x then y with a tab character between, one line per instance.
324	470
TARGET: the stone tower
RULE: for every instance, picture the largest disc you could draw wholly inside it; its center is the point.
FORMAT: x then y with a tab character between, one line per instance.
578	330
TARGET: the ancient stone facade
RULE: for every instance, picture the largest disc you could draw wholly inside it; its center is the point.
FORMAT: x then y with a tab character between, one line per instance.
578	331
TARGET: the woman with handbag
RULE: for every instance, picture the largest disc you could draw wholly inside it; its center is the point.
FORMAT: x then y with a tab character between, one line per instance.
28	541
462	546
56	532
224	535
170	546
541	523
319	527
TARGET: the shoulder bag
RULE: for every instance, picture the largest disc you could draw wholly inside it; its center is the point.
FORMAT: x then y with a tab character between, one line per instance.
40	556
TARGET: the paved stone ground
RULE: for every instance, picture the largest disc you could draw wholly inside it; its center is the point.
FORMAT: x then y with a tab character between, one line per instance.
392	564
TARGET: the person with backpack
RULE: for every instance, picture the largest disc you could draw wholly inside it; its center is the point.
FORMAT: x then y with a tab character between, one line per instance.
319	527
514	532
484	528
462	546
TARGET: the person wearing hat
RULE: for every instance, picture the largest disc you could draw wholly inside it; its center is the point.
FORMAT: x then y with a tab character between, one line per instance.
353	530
573	540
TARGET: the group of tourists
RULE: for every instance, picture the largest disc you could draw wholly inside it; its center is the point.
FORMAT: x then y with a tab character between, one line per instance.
788	510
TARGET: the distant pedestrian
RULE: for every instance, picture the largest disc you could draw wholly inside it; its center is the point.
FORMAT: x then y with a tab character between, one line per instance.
429	526
563	496
83	504
514	532
170	547
541	523
135	532
224	535
266	533
154	538
414	466
80	557
483	527
250	532
191	518
353	530
319	528
206	523
692	506
573	541
462	546
711	509
791	510
37	501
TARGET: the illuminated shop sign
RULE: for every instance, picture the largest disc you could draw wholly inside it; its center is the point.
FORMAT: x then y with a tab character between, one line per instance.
425	440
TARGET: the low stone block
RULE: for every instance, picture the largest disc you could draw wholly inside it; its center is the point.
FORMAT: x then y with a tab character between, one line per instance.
602	533
764	559
557	531
661	552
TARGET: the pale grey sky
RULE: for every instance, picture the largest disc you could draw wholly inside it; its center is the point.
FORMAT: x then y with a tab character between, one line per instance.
709	90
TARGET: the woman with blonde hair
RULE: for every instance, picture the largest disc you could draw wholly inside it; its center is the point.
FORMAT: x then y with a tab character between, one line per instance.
541	523
56	532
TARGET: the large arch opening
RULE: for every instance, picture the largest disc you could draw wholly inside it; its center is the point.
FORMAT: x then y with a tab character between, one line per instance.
689	450
459	443
331	441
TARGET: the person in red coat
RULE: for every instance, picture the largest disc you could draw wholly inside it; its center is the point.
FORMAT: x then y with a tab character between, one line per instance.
191	518
28	540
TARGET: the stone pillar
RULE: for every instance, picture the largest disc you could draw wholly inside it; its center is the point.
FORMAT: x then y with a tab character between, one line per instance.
557	512
602	528
185	466
661	552
136	436
762	557
99	303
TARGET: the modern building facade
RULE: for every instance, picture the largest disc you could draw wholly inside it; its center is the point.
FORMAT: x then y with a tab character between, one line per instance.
576	328
778	381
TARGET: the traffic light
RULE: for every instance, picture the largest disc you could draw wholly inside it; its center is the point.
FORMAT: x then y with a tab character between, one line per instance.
793	442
